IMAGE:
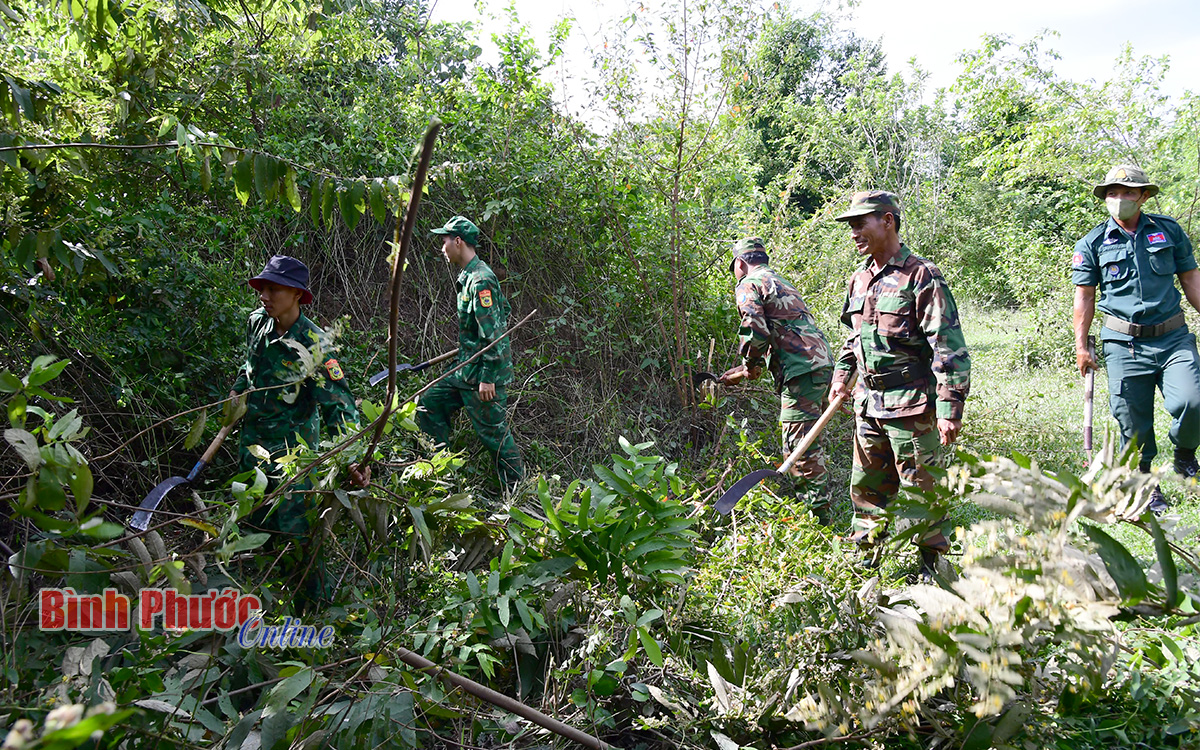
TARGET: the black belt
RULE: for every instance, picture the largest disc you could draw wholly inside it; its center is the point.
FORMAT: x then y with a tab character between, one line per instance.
1141	331
905	375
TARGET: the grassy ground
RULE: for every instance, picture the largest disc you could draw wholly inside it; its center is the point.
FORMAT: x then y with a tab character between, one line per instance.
1039	412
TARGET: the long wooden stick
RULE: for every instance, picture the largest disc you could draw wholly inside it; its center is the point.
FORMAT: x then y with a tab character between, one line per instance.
405	239
500	700
1089	390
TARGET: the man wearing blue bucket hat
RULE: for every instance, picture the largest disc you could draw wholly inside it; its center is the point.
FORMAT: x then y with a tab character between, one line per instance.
288	402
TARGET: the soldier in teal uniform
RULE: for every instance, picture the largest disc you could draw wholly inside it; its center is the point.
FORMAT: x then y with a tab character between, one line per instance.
287	402
1133	258
908	349
778	331
480	387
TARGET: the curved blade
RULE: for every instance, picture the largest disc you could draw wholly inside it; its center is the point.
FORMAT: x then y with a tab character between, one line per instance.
700	377
141	519
381	376
726	502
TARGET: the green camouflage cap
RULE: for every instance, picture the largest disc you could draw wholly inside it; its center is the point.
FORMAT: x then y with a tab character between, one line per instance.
1127	175
745	247
461	226
869	202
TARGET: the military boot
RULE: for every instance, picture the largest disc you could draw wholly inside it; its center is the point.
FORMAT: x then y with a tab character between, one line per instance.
1185	463
928	569
1158	503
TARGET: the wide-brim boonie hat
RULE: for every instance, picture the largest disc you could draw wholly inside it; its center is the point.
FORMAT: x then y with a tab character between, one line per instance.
1128	176
285	271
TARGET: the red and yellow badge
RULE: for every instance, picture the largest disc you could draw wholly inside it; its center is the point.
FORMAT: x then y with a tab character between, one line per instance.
485	297
334	370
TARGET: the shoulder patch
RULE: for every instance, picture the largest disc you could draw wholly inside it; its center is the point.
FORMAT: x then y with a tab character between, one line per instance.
485	297
334	370
1077	259
1156	237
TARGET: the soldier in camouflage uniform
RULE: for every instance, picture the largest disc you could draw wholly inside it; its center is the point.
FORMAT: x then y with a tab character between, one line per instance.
278	340
1134	258
908	348
778	331
478	388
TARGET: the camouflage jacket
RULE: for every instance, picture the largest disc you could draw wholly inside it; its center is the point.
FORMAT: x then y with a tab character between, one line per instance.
898	315
482	317
777	328
275	417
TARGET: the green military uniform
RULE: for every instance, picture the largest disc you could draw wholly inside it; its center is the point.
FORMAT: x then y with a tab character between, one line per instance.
279	418
1146	344
779	332
482	318
907	346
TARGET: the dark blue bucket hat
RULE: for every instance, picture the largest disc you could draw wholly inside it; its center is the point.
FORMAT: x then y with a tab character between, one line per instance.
285	271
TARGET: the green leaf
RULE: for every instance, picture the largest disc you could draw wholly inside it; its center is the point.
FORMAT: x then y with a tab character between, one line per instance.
327	200
493	584
651	646
206	174
197	430
503	610
524	518
9	383
284	692
26	447
1165	561
246	543
1121	565
264	182
81	487
523	612
350	203
243	177
473	585
378	207
314	201
181	137
291	192
506	558
43	372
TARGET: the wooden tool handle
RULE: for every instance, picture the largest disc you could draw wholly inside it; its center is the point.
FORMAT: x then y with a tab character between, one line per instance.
815	432
439	359
1089	391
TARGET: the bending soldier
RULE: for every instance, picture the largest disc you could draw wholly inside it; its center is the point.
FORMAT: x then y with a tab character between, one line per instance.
778	331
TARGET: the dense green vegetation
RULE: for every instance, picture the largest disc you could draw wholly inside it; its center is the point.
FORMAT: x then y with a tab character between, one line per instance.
153	155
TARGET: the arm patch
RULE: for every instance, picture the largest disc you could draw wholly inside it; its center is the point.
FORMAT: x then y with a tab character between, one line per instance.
485	297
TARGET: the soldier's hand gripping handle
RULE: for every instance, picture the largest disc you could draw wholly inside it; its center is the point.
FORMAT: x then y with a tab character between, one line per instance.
1085	359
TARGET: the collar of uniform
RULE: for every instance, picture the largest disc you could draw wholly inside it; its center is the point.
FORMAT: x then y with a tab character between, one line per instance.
756	271
898	260
466	270
300	325
1145	221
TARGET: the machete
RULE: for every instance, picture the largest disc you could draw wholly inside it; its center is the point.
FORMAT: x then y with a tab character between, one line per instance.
726	502
379	377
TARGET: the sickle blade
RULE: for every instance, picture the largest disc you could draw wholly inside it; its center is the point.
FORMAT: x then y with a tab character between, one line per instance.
726	502
141	519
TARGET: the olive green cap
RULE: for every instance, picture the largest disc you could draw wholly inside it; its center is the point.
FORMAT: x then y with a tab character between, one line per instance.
746	246
1127	175
868	202
461	226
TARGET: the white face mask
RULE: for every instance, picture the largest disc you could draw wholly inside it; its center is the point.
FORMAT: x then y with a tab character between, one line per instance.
1121	209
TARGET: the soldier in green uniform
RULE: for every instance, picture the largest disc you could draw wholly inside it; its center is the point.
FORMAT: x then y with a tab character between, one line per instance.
778	331
289	401
907	346
1133	258
478	388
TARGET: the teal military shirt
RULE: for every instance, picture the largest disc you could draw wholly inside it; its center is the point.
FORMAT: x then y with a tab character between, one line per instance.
1135	273
303	401
482	318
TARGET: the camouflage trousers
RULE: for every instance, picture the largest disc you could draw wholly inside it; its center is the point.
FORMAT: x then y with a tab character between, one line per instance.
435	417
287	520
801	403
890	454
